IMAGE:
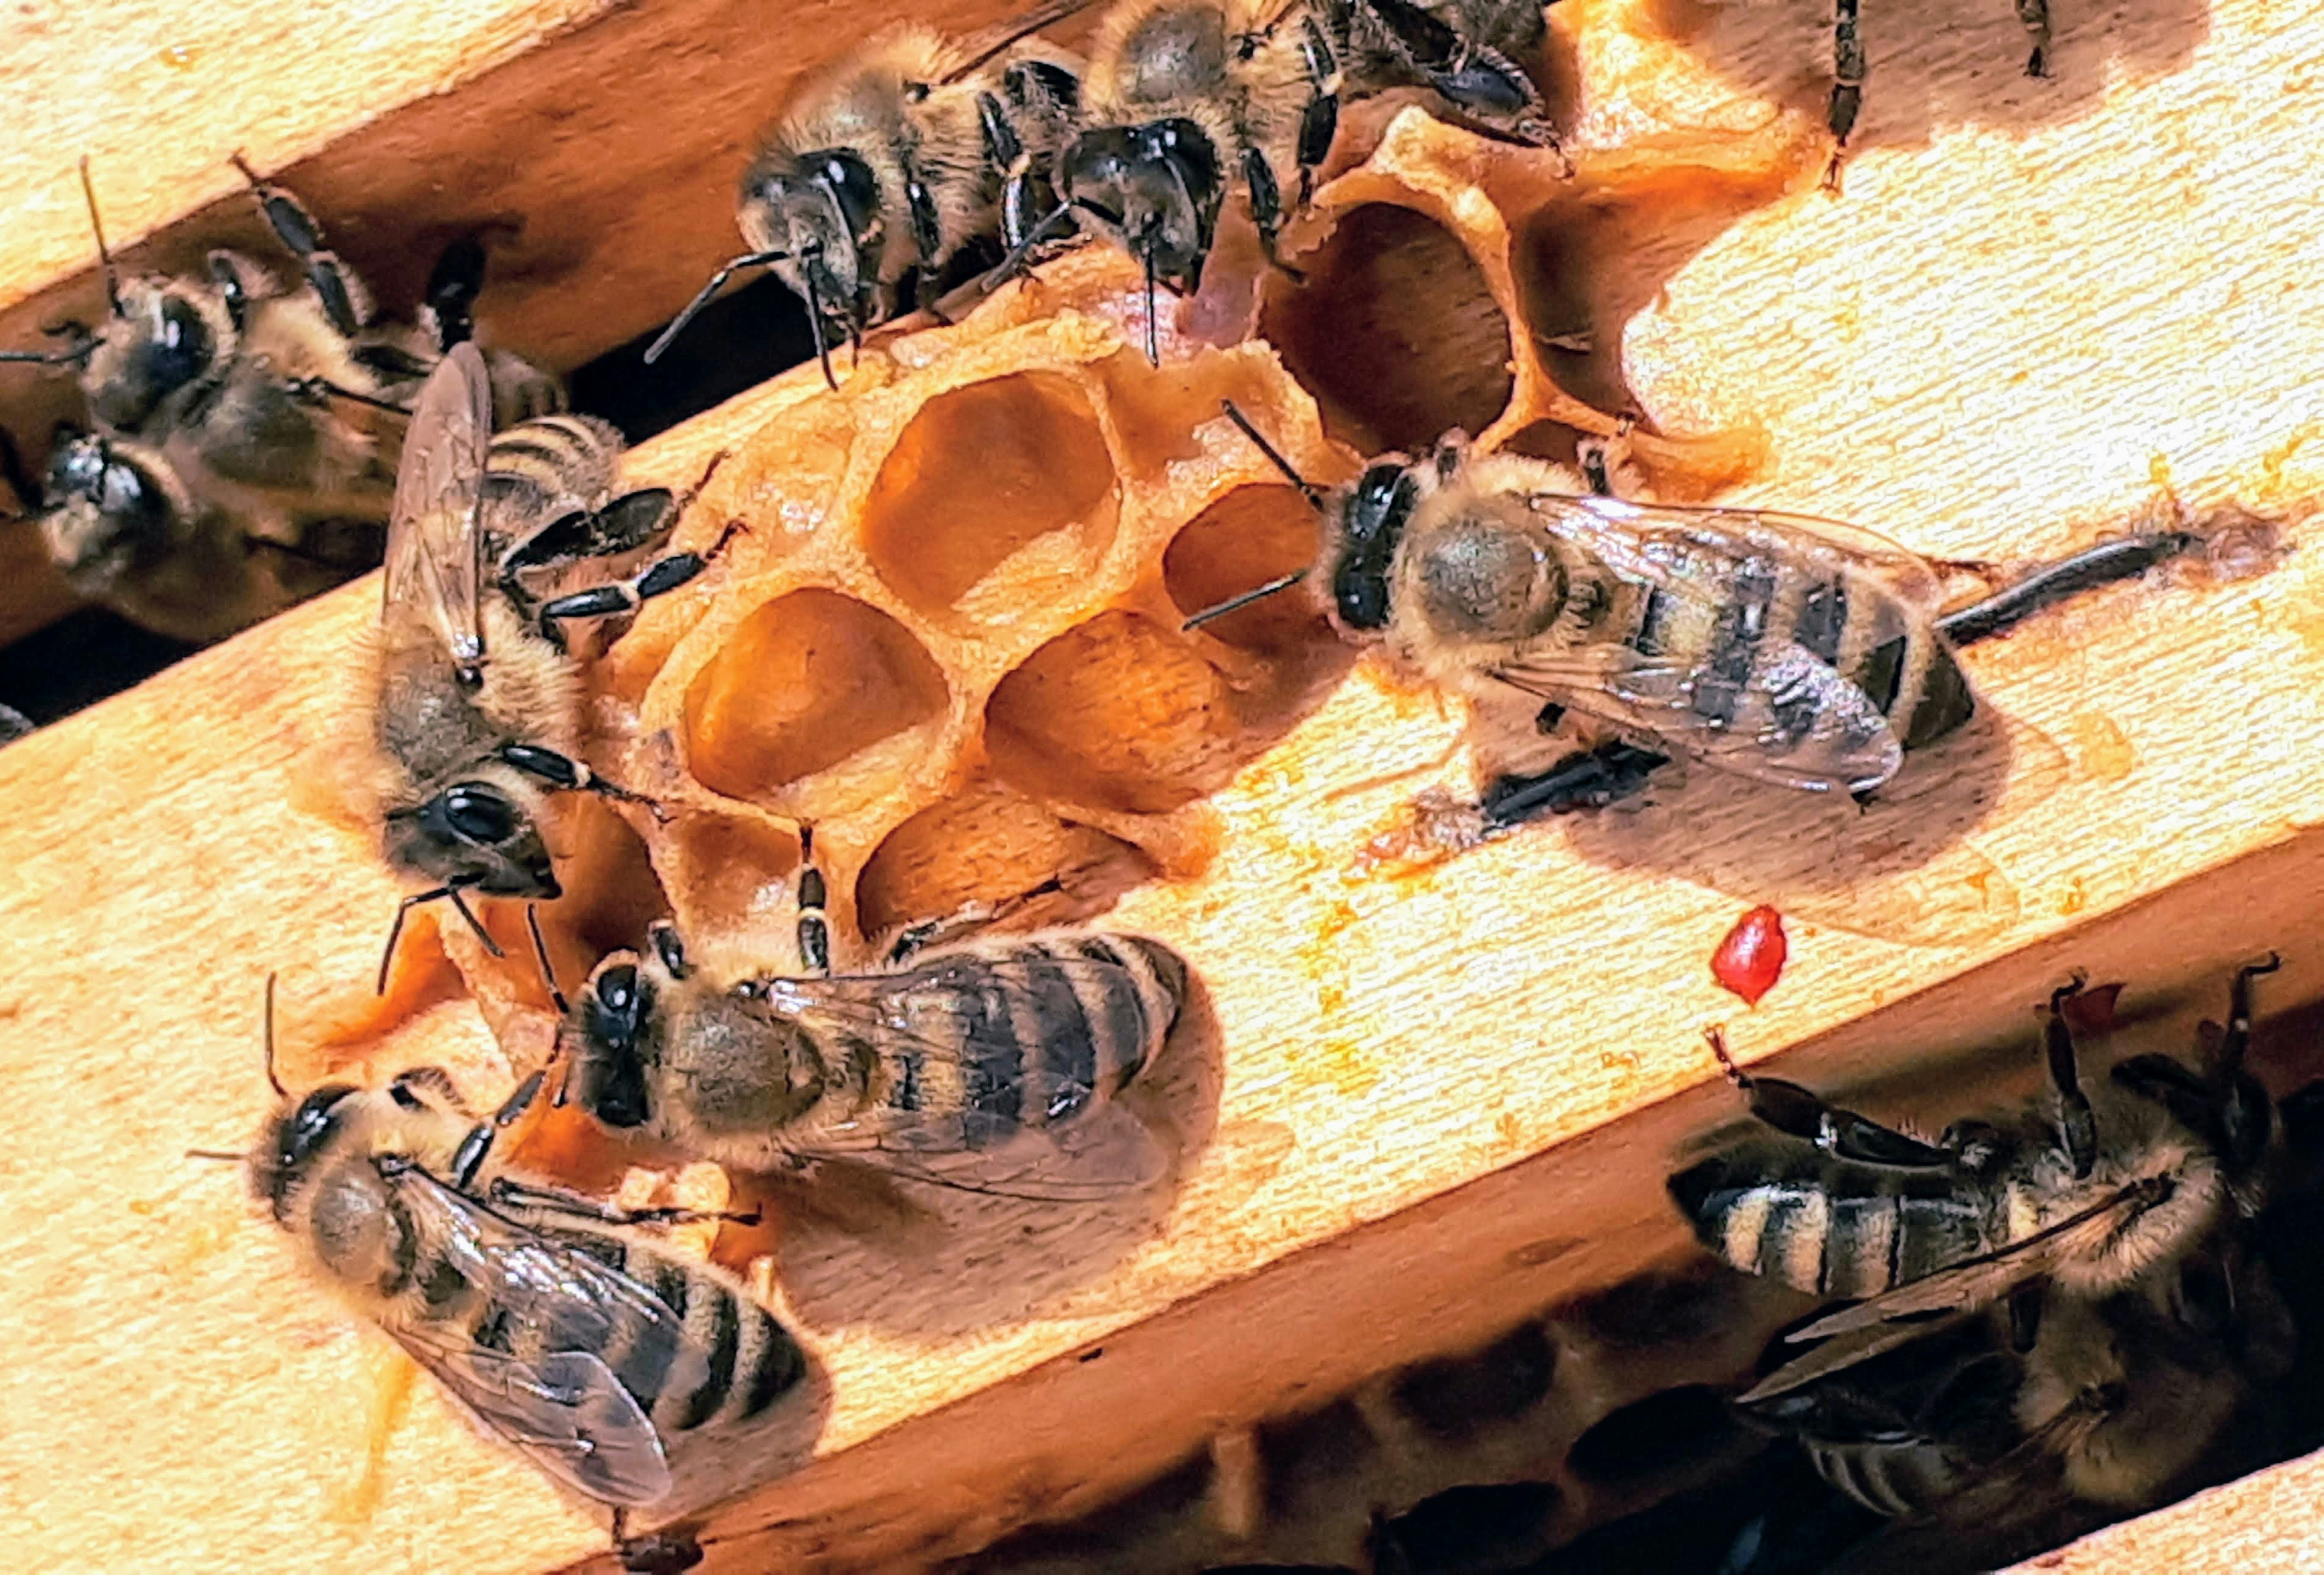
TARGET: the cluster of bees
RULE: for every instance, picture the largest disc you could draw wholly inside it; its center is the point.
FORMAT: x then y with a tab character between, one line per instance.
2082	1267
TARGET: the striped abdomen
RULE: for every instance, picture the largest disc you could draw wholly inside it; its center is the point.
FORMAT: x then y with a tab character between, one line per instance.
1033	1029
734	1363
540	470
1754	605
1828	1228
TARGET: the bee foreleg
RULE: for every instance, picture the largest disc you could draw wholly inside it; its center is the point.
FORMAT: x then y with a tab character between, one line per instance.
507	1192
448	893
1847	84
659	578
1319	121
336	288
2077	1126
1590	779
453	286
561	770
1800	1112
1266	196
469	1158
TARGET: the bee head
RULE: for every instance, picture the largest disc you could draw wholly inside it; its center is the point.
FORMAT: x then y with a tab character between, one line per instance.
609	1069
111	507
824	210
1154	187
286	1155
1365	524
164	335
473	834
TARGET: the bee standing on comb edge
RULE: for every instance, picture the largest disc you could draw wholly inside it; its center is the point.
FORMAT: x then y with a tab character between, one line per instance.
886	167
633	1376
1799	652
245	432
478	712
988	1065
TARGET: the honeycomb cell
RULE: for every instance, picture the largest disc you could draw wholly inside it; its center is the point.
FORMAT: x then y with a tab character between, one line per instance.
731	869
1250	536
1012	472
808	680
1118	713
1396	332
984	846
1502	1526
1658	1434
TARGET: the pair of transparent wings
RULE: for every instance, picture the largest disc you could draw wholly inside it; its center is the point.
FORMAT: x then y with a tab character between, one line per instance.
1047	1133
1690	556
435	569
551	1395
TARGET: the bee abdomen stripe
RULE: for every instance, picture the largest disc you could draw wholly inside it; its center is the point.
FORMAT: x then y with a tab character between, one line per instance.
1651	637
724	1339
770	1358
1123	1029
995	1061
1823	617
1053	1025
1733	652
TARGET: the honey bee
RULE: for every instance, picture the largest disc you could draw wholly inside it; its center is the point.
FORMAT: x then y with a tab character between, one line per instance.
236	429
2092	1190
1795	651
885	167
1465	51
478	712
985	1064
634	1377
124	529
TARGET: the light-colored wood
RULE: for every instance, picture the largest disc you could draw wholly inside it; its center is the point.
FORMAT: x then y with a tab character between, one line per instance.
1443	1091
2264	1524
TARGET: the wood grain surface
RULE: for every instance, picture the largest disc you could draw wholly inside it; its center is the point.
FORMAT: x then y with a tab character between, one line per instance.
1447	1093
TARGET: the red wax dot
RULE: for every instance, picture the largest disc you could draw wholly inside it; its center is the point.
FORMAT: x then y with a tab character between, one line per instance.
1750	958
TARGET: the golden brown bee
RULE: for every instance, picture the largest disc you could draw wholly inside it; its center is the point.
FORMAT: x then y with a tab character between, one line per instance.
633	1376
477	710
1795	652
886	166
240	428
989	1065
2091	1189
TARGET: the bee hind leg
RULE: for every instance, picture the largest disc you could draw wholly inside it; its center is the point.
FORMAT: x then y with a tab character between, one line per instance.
1799	1112
2035	15
1590	779
659	578
344	299
2077	1126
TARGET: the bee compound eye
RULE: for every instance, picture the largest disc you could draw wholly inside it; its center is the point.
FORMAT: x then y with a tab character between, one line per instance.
182	346
480	816
617	989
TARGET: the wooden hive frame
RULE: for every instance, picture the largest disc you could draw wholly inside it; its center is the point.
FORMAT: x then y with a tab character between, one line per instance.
1449	1093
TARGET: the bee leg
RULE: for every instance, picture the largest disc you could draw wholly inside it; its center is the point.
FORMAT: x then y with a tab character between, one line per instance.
1319	121
2077	1126
336	286
469	1158
2035	15
1266	207
814	922
658	578
448	307
1590	779
561	770
2125	557
1847	84
1800	1112
403	1089
549	1200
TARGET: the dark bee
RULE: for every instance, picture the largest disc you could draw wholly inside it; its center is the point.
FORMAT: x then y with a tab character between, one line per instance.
887	165
1795	652
477	710
990	1064
635	1378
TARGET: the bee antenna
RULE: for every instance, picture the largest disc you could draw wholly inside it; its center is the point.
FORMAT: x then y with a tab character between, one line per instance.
1307	488
268	1020
1153	338
1241	599
702	297
324	385
547	969
104	255
229	1157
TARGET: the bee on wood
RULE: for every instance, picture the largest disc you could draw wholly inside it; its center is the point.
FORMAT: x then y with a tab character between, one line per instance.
2092	1190
478	707
263	403
633	1376
1795	651
887	165
988	1065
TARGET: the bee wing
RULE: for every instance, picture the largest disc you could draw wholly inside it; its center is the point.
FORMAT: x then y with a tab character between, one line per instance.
1803	724
978	48
1023	1125
1980	1281
552	1394
435	536
1843	1351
